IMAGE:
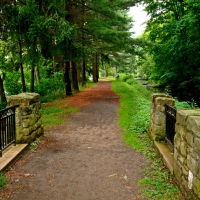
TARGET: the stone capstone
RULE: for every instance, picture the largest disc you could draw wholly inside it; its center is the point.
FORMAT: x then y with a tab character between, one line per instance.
28	116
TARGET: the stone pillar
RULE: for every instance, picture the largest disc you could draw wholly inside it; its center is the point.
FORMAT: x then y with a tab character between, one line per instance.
157	115
187	152
28	116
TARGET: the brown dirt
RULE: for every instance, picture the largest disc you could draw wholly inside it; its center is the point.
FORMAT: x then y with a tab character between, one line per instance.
82	159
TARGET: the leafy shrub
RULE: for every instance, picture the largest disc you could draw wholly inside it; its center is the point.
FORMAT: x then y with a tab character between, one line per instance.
49	85
131	81
13	83
125	78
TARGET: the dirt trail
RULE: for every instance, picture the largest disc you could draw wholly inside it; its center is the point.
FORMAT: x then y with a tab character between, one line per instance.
82	159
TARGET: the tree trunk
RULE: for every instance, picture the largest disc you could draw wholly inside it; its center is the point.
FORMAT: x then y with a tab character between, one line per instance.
2	92
115	71
37	74
32	80
83	72
79	76
67	81
74	77
21	66
97	66
95	69
105	71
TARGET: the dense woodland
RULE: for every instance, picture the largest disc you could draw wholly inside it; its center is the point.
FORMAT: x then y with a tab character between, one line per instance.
173	57
51	46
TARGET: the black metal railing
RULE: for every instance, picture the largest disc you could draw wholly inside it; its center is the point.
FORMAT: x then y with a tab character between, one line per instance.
7	128
170	123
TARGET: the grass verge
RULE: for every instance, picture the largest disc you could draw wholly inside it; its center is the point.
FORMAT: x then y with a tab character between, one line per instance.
3	180
55	115
134	119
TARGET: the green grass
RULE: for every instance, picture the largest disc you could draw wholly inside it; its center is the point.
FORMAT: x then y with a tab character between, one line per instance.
134	115
3	180
54	115
87	85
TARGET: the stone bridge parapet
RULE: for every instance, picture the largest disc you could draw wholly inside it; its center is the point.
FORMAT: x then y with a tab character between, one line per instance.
28	116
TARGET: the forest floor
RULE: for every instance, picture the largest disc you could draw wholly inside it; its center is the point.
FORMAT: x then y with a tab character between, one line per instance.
82	159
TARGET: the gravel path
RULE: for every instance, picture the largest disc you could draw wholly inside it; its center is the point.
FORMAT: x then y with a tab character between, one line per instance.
82	159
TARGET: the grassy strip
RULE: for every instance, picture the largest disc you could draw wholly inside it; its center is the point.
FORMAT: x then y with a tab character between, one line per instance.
3	180
55	115
134	119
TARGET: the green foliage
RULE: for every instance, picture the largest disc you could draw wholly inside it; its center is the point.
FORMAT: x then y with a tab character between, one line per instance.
157	183
54	115
134	119
12	83
3	180
34	145
182	105
125	78
87	85
50	84
175	42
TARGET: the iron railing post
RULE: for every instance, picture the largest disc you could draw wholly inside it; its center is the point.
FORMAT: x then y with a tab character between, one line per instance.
170	123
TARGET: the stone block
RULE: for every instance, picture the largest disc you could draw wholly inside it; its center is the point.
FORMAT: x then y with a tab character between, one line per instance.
159	109
26	111
180	129
158	133
193	165
177	141
181	160
183	149
185	171
23	99
193	153
155	95
164	100
181	117
159	120
25	123
176	154
197	144
185	183
193	125
177	172
190	139
28	116
196	187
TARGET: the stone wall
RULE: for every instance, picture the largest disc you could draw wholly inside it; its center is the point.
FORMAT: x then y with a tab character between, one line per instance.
186	169
28	116
157	116
187	152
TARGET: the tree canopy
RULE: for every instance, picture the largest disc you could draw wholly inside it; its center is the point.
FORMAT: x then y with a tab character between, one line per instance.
39	38
173	31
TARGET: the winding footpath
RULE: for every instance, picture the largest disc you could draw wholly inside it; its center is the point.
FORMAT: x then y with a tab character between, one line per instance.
82	159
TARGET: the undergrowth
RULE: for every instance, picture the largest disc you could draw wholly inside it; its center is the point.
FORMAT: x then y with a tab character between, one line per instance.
3	180
34	145
134	115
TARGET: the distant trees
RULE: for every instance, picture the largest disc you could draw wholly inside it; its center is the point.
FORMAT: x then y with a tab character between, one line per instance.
174	32
40	38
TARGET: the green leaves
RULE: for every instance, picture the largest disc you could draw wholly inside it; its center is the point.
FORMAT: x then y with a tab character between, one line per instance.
173	26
